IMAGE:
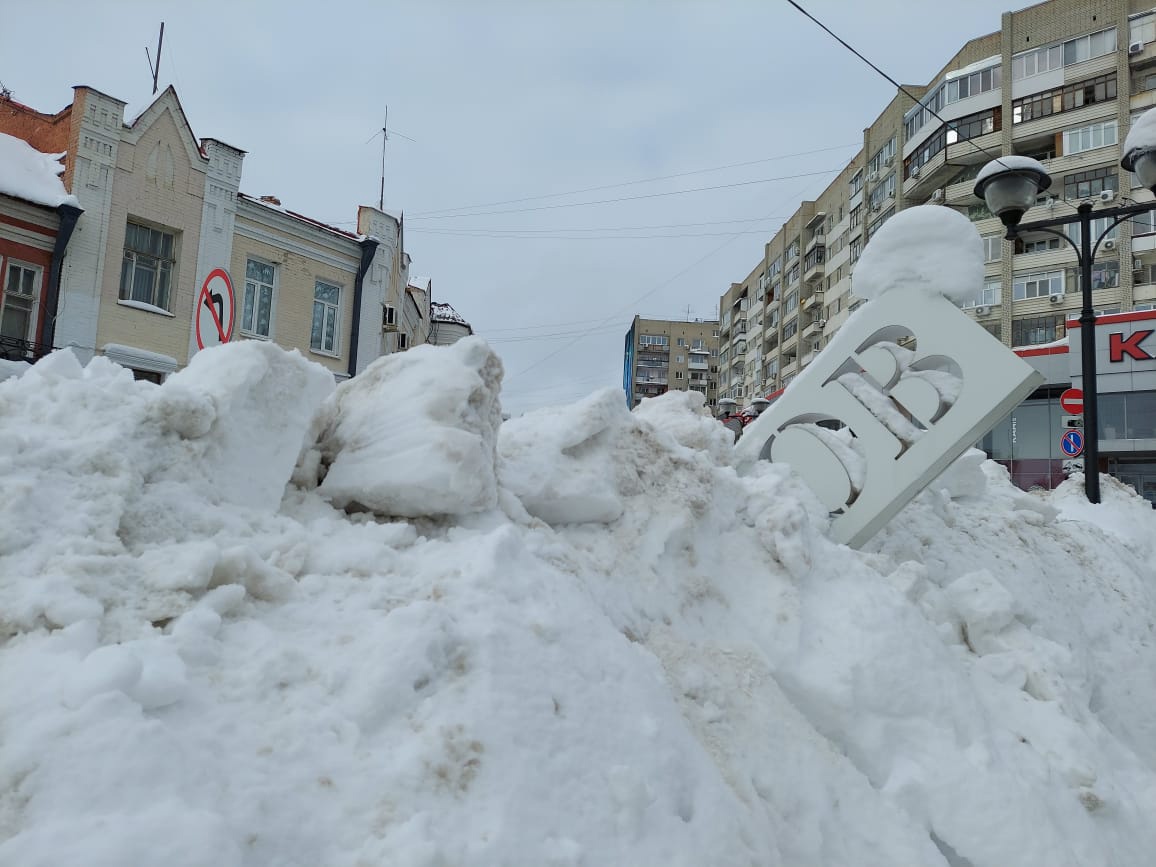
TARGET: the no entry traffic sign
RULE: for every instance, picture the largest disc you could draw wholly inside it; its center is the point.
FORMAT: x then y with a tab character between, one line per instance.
216	308
1072	401
1072	443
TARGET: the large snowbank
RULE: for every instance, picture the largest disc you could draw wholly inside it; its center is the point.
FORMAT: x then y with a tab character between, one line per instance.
26	173
628	654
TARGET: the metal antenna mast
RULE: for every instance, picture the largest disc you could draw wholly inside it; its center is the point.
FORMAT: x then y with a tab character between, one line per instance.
384	141
156	70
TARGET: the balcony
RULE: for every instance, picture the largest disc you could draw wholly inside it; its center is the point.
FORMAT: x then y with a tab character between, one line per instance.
697	363
813	265
813	328
15	349
814	301
646	379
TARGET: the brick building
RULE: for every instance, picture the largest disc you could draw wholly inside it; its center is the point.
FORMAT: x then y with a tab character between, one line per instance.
37	219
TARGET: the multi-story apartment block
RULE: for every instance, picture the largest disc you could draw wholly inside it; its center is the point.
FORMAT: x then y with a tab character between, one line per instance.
662	355
162	211
1061	81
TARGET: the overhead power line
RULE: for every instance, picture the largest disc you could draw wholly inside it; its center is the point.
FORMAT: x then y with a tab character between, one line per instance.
640	196
633	183
472	233
901	88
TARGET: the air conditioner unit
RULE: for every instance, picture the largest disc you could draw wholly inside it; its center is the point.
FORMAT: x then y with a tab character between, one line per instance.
388	318
914	173
1110	244
981	311
1107	195
1135	47
873	177
937	196
822	323
1137	264
1056	298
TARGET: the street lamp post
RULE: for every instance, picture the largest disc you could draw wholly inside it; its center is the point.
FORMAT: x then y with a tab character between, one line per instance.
1010	185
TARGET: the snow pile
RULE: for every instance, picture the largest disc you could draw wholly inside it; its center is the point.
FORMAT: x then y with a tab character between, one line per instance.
597	644
430	454
929	247
26	173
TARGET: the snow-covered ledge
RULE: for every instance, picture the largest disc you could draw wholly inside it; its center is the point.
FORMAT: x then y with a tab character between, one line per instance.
141	305
139	359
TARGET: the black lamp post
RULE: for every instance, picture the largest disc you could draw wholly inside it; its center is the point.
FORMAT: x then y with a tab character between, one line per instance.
1010	185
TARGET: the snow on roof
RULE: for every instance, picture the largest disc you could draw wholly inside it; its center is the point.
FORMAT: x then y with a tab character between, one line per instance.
28	174
442	312
419	282
277	206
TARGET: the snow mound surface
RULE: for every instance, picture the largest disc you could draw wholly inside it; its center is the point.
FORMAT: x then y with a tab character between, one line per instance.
592	643
929	247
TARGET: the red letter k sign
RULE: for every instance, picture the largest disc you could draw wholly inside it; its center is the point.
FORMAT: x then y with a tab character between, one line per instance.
1118	347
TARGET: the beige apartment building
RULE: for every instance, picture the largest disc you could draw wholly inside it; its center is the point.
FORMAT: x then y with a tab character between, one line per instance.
663	354
1060	81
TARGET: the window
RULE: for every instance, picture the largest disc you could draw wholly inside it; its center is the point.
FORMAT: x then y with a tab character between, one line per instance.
1086	47
1086	138
857	182
993	248
147	272
856	216
326	312
1142	29
882	191
1037	285
681	342
678	374
978	212
1099	227
1040	245
880	159
793	274
988	296
1037	61
1060	99
679	359
790	328
402	340
1144	224
656	339
793	250
1038	329
1105	275
18	304
256	312
856	249
993	328
1084	185
791	302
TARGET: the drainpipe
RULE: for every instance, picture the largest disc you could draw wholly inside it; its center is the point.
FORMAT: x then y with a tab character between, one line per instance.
368	250
68	214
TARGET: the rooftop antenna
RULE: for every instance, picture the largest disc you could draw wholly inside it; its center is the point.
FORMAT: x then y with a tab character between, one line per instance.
384	140
156	70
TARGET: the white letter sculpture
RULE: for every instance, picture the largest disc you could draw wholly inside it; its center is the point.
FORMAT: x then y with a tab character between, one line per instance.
906	413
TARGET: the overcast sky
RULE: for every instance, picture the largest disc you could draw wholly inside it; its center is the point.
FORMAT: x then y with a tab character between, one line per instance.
495	102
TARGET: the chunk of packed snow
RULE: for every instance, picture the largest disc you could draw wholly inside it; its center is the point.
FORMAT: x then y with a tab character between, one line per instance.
934	249
416	433
704	679
26	173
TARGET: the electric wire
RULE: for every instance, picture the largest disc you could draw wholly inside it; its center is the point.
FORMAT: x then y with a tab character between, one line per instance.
640	196
950	125
631	183
646	294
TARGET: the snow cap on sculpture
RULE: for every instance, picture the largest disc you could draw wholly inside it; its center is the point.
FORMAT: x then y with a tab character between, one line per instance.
933	248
